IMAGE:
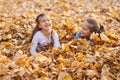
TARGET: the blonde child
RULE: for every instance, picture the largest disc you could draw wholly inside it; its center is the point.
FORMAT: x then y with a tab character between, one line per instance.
43	35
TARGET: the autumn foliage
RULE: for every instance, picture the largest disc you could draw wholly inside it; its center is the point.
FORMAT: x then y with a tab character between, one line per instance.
76	59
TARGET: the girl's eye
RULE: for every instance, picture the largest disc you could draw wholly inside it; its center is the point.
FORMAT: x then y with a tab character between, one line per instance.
83	28
48	20
43	21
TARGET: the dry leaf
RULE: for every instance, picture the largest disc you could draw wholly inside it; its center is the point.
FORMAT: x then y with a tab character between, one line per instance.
64	76
104	37
77	59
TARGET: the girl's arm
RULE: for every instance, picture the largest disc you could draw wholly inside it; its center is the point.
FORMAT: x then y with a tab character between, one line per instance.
56	40
35	43
77	35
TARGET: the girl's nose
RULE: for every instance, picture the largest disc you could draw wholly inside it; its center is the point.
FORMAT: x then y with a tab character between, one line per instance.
47	22
81	30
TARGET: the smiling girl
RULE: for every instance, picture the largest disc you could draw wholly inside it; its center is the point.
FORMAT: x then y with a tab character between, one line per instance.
43	35
88	27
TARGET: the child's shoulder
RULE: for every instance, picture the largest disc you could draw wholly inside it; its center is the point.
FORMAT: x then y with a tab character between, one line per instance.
38	33
54	31
78	35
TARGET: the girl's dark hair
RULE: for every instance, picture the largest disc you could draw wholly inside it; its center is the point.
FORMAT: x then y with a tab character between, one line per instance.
37	27
97	28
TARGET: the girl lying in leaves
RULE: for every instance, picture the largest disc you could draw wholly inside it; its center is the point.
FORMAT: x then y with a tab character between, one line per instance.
88	27
43	35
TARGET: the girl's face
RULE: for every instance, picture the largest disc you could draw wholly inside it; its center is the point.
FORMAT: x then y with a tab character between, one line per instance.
45	23
85	31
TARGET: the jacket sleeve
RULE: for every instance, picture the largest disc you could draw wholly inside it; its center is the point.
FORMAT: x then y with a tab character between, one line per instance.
77	35
35	43
56	40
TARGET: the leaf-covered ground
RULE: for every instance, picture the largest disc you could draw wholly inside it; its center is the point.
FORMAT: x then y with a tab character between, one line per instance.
75	59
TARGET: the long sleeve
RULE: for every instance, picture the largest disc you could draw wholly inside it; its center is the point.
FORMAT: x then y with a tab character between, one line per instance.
77	35
56	40
35	43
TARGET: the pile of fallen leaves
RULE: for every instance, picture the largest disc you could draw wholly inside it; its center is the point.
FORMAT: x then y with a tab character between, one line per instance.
75	59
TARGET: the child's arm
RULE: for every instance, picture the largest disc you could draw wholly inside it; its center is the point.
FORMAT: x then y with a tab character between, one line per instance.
35	43
56	40
77	35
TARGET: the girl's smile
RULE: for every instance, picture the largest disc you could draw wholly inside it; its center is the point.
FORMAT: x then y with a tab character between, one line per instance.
45	23
85	31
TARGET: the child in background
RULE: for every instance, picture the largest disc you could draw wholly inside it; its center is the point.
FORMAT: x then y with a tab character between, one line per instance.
88	27
43	35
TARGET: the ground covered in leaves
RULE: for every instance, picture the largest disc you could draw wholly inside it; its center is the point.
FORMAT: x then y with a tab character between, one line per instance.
75	59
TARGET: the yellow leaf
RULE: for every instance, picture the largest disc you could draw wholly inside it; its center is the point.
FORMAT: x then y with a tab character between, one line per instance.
60	66
35	74
53	14
6	77
104	37
3	69
82	40
7	44
105	74
44	78
61	59
80	56
41	58
113	13
91	73
68	24
64	6
79	74
9	36
81	64
67	49
67	77
28	60
113	36
21	62
4	60
75	64
95	37
64	76
21	71
114	43
97	65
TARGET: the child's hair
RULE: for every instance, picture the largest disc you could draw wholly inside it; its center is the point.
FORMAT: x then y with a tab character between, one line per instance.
97	28
37	27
